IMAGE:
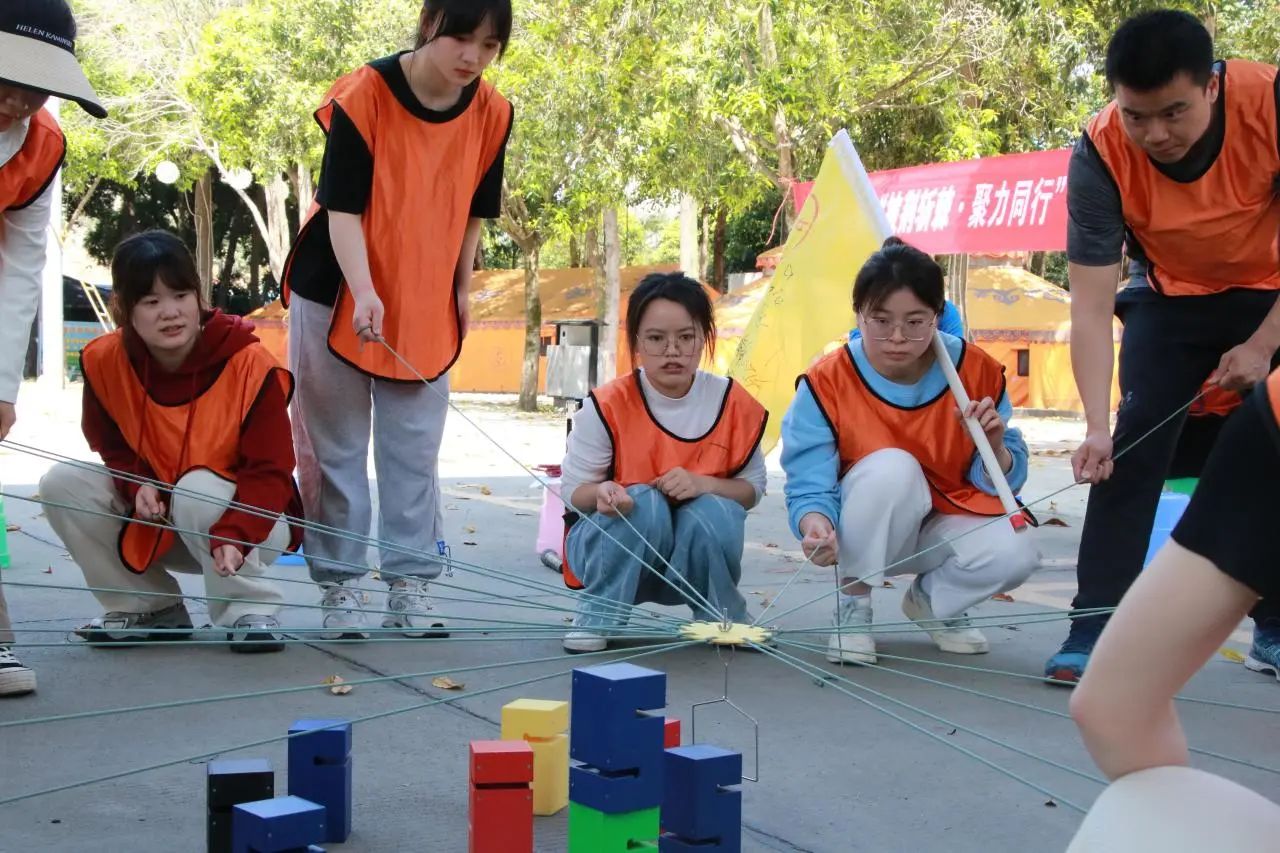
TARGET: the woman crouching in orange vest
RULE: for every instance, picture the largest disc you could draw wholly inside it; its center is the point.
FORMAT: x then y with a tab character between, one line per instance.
676	451
185	397
879	465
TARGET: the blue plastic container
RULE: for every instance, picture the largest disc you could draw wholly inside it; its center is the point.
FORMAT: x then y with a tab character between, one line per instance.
1172	506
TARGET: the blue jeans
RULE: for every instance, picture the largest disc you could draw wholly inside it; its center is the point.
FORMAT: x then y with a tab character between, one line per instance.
701	540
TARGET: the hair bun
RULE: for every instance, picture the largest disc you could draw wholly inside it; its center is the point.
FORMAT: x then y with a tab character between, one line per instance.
891	242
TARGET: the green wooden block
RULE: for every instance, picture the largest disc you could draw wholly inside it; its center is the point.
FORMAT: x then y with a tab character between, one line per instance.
591	831
1182	485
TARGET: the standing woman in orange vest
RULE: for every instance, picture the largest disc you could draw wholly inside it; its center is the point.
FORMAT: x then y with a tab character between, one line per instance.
186	397
879	465
677	451
37	59
1181	173
413	165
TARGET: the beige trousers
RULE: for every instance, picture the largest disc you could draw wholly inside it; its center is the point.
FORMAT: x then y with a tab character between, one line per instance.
92	542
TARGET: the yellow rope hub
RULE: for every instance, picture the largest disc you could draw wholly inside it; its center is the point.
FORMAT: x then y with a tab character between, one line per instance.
717	634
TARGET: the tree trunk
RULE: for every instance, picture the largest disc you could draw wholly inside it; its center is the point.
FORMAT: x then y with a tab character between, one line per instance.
704	245
786	173
594	258
303	189
75	214
478	263
718	278
608	364
958	287
688	235
255	269
275	197
204	233
234	229
532	331
575	252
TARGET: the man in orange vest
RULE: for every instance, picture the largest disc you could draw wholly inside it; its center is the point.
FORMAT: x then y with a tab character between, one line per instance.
37	59
1182	172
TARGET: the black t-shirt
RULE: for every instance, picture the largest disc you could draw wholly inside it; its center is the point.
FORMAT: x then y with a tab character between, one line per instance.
1097	234
346	181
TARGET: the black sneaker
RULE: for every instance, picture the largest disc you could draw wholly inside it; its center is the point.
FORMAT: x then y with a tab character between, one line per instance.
15	679
1067	666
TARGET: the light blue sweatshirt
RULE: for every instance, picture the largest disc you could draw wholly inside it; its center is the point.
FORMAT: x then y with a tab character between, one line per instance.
811	459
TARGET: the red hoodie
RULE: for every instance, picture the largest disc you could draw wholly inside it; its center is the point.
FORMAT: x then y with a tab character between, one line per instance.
264	470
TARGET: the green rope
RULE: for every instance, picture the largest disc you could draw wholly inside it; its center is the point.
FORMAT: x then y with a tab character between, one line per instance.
282	691
265	741
813	671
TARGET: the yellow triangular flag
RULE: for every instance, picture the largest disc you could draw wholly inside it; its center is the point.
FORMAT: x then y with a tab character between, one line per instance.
809	302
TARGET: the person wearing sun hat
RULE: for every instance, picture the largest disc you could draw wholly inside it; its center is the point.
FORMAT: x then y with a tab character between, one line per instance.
37	60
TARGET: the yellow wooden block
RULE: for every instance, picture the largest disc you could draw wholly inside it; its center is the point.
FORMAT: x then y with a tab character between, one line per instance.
527	719
550	774
542	722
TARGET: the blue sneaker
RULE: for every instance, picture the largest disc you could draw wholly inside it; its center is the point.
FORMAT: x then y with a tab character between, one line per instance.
1069	663
1264	654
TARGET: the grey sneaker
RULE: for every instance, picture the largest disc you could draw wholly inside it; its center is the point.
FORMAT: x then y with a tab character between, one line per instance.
851	642
343	616
252	634
15	679
412	611
172	623
957	635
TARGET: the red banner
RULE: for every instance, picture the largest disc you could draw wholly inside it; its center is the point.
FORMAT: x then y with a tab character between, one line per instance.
1012	203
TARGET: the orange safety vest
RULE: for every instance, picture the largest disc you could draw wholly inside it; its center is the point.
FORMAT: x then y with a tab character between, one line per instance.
1273	394
29	172
863	423
1222	230
1216	402
424	178
643	450
172	440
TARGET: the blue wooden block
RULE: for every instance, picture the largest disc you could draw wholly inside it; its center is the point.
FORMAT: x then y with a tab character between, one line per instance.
607	730
328	741
328	785
671	844
617	793
699	804
276	826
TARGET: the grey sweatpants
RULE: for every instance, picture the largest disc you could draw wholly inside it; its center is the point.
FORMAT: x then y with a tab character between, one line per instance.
335	407
6	632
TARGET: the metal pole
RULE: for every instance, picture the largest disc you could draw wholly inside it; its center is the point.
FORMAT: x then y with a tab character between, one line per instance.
53	361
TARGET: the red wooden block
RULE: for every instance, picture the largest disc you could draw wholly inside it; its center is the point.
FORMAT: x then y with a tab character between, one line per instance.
501	820
670	733
501	762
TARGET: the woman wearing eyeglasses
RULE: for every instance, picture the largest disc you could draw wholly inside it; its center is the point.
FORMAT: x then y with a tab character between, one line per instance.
665	462
879	466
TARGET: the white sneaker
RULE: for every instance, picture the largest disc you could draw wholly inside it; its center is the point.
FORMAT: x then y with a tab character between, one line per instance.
957	636
851	642
343	618
412	611
15	679
577	642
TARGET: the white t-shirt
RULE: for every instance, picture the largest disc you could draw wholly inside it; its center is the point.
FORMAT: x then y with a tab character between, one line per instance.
590	452
22	251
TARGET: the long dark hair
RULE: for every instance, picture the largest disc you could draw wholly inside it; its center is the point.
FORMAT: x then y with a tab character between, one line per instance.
898	266
141	259
680	289
459	17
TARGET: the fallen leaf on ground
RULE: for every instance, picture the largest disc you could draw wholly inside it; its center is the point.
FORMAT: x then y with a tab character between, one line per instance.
12	528
1053	505
470	528
49	570
1002	596
375	575
770	545
1231	655
1054	522
444	682
485	490
953	731
1051	804
766	601
526	514
468	543
336	685
888	585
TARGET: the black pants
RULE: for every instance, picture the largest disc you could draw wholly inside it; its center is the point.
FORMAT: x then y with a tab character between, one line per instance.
1169	348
